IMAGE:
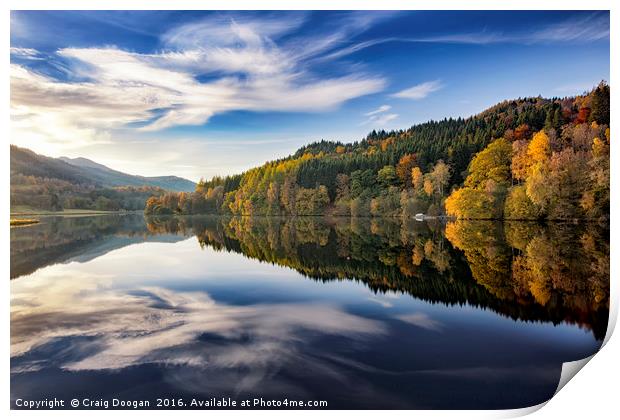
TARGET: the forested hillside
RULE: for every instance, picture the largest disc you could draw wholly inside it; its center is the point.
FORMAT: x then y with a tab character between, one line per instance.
44	183
527	158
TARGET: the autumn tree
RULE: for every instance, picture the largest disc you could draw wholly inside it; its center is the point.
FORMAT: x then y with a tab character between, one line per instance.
521	162
595	198
518	205
440	176
470	203
491	163
428	187
417	178
539	149
485	186
404	168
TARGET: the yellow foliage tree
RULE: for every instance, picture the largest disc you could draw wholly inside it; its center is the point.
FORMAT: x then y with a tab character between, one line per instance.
539	149
469	203
417	178
428	186
521	161
493	162
485	185
518	205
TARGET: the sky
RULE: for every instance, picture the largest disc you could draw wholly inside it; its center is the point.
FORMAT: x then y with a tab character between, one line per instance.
197	94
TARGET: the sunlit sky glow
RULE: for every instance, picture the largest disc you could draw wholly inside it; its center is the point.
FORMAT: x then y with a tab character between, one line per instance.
196	94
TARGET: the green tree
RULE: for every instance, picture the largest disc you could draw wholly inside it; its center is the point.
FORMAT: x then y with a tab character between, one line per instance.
518	205
600	104
387	176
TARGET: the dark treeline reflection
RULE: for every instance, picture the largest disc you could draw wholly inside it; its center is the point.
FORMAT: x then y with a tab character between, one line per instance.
59	239
527	271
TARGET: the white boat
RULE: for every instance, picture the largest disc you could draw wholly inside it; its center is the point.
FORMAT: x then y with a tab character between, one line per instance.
419	217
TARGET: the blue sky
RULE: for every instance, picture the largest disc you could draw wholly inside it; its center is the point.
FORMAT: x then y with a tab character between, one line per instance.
204	93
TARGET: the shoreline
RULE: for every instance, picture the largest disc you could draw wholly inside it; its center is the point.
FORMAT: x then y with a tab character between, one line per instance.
71	212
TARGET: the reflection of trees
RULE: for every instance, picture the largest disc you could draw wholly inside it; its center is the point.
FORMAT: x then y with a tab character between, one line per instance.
559	267
486	252
556	273
57	239
525	271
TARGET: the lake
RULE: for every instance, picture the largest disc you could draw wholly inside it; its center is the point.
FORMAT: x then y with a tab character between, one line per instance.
360	313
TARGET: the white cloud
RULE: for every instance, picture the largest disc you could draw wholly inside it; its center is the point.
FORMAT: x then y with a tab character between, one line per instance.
382	108
26	53
421	320
379	117
158	325
585	28
419	91
227	31
248	71
382	120
582	28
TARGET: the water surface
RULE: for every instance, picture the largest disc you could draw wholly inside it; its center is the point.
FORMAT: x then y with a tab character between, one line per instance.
361	313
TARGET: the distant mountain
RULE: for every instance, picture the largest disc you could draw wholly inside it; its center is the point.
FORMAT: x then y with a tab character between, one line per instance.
85	171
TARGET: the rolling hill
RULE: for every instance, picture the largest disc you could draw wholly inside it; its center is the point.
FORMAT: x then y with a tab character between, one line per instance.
86	172
41	183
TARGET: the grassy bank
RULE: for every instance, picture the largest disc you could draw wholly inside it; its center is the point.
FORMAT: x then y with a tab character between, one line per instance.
23	222
26	211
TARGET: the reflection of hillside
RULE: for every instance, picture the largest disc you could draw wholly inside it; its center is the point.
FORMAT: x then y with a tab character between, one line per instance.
558	267
523	271
63	239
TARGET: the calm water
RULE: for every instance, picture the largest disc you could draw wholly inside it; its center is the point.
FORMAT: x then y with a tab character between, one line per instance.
360	313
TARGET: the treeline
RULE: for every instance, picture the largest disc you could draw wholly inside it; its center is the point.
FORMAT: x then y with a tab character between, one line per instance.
552	175
404	172
52	194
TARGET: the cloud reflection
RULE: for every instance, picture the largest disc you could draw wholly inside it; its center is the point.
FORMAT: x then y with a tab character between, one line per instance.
421	320
157	325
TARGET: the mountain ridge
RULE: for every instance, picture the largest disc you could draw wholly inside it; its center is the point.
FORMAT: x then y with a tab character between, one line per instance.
84	171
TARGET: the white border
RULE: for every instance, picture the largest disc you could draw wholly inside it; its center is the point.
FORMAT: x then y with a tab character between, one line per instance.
593	394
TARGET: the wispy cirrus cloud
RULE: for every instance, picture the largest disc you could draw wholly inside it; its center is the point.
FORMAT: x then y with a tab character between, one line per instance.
381	109
592	27
26	53
246	65
419	91
584	28
581	29
379	117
